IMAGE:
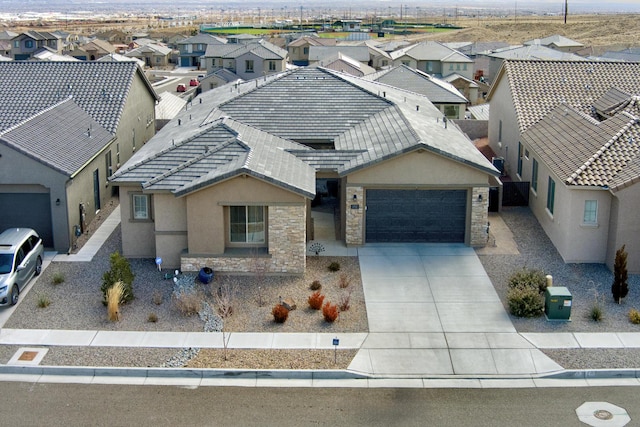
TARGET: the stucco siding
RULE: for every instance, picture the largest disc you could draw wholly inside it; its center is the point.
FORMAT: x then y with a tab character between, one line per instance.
419	167
626	228
138	239
502	110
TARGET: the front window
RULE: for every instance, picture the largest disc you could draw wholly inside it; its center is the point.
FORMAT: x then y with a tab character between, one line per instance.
272	65
141	204
519	159
590	212
452	111
28	44
247	224
306	51
551	195
248	66
534	175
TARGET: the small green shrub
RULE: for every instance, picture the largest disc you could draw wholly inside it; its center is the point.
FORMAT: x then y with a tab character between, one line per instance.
315	300
152	318
334	266
315	285
280	313
43	301
120	272
597	313
528	278
57	278
330	312
634	316
525	302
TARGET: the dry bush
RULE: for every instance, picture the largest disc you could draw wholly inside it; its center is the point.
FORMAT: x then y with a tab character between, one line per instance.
189	302
152	318
344	281
315	285
315	300
157	297
330	312
114	295
225	297
280	313
345	301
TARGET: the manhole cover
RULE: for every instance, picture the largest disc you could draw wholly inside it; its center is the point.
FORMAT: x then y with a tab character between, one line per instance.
28	356
602	414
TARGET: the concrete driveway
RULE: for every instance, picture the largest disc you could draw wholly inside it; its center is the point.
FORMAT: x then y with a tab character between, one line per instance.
432	310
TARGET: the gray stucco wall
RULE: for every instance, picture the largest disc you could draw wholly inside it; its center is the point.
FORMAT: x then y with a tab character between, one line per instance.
474	128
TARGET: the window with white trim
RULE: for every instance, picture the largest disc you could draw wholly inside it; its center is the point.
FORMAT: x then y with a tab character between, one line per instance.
248	65
590	212
141	207
247	225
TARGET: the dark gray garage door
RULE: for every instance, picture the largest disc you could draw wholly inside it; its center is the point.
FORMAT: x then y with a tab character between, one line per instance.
31	210
416	215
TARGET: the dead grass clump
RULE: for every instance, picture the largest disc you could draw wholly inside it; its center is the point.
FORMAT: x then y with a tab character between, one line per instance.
114	295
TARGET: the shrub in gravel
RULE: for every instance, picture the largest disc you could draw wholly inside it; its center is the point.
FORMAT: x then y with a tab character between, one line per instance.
530	278
634	316
344	281
157	297
114	296
43	301
188	302
57	278
345	301
525	301
315	285
152	318
280	313
620	287
120	272
334	266
330	312
315	300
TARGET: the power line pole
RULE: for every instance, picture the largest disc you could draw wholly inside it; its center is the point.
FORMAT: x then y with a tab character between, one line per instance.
566	10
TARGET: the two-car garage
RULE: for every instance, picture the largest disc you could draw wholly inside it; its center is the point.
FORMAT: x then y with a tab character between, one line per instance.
414	215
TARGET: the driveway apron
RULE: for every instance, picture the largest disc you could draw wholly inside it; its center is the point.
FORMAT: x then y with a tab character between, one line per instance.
432	310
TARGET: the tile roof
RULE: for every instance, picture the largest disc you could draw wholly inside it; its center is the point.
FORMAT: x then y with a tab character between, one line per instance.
536	52
407	78
203	38
556	39
345	64
430	51
585	152
261	48
537	87
251	127
99	88
480	112
62	136
359	53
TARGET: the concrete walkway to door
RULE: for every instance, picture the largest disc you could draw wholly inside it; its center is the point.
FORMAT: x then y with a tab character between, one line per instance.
433	311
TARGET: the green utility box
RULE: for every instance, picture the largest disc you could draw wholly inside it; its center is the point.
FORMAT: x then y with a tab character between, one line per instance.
557	303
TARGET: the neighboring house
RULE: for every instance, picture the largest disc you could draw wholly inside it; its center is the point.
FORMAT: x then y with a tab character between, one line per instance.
115	37
64	128
93	50
345	64
153	55
434	58
114	57
478	51
570	129
246	60
471	89
193	48
232	178
557	42
299	49
218	78
46	54
631	54
318	54
241	38
24	45
443	95
534	52
5	48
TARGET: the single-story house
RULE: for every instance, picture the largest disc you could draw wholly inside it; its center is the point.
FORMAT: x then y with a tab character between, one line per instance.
233	176
570	130
64	128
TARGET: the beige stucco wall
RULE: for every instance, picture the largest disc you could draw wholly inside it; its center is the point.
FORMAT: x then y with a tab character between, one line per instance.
170	217
625	228
502	109
137	236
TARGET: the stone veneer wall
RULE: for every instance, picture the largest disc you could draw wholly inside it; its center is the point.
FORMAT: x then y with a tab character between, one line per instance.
354	234
479	216
287	246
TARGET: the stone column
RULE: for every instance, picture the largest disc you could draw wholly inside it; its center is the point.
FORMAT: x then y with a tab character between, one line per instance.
354	233
479	216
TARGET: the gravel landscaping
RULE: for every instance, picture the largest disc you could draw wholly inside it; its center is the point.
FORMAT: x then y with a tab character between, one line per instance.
77	304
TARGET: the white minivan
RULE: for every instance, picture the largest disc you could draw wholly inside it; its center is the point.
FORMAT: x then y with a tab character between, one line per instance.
21	253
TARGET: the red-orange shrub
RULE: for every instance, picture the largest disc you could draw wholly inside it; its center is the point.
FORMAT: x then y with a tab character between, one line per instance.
330	312
315	300
280	313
